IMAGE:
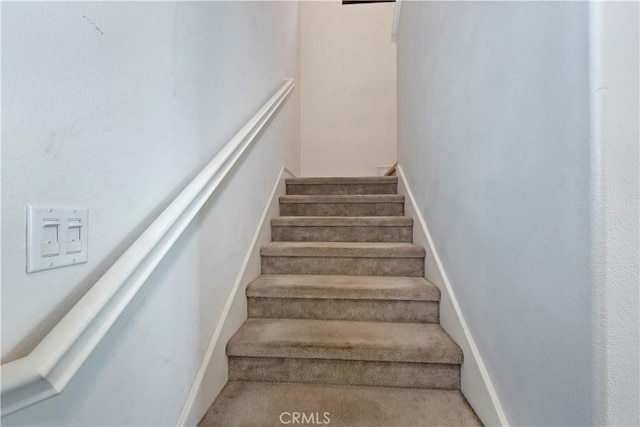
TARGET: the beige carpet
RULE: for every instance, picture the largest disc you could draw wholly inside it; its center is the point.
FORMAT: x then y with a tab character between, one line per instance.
278	404
343	327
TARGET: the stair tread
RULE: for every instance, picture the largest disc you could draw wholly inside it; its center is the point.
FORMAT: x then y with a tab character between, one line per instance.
342	221
343	287
343	199
344	340
332	180
244	403
343	249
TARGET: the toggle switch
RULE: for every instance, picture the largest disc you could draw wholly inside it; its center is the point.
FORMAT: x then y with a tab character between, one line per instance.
50	239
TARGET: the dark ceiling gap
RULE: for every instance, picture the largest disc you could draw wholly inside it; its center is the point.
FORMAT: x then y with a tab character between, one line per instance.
366	1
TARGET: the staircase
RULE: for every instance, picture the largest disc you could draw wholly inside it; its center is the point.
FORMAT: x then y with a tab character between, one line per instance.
342	320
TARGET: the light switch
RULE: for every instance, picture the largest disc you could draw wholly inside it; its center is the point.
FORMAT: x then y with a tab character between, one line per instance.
56	237
74	240
50	239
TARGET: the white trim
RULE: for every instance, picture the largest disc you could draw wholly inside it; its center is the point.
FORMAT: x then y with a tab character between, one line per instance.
475	382
50	366
396	18
212	377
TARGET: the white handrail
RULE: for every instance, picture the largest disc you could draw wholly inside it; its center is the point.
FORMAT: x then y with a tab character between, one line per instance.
50	366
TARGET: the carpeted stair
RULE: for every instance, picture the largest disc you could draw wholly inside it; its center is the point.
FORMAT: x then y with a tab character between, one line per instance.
342	319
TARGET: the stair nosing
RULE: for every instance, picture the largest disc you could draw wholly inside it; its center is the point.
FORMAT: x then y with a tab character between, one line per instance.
341	199
342	221
330	288
378	180
252	340
343	250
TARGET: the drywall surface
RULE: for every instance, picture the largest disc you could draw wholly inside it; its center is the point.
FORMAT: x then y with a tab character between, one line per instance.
615	125
213	373
348	86
493	110
116	106
475	384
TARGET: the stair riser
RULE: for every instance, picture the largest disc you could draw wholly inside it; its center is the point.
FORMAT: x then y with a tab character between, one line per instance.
342	209
341	234
350	266
341	189
345	372
344	309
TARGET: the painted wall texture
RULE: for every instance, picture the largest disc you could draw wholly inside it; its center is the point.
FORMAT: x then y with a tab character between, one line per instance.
115	106
348	82
615	53
494	138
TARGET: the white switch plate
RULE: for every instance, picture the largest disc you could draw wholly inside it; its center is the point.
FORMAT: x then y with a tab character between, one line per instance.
56	237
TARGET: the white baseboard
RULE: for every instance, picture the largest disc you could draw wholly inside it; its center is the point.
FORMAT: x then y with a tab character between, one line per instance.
213	373
475	382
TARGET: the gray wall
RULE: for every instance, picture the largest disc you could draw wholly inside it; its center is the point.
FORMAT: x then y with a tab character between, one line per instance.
494	139
119	118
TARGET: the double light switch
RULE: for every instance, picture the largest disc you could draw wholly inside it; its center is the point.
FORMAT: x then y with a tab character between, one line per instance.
56	237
